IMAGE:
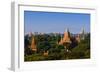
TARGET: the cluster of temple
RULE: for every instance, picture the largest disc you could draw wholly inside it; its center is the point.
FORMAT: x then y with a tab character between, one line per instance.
66	38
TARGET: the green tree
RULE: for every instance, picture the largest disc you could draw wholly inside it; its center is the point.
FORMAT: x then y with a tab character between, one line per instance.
82	50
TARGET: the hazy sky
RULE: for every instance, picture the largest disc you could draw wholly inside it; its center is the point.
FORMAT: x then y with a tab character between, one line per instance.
55	22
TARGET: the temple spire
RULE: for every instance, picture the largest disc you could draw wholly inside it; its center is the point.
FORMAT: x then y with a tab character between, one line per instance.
82	33
33	44
82	30
66	37
67	30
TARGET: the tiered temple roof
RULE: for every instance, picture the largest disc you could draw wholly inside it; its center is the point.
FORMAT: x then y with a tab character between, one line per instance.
33	44
66	38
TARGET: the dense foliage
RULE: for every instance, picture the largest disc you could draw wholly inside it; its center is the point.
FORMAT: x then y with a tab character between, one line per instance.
48	42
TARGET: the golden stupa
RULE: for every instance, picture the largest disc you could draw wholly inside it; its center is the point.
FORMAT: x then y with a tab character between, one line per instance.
33	45
66	38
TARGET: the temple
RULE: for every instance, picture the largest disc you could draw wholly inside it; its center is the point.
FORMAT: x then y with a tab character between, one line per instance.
82	34
33	45
66	38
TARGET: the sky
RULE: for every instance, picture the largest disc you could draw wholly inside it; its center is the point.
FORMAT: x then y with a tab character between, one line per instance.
48	22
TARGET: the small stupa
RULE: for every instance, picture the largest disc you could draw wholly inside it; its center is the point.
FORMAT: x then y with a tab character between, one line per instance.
45	53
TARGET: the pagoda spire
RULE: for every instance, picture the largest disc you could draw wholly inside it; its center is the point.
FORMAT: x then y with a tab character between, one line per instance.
82	33
82	30
66	37
67	30
33	44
